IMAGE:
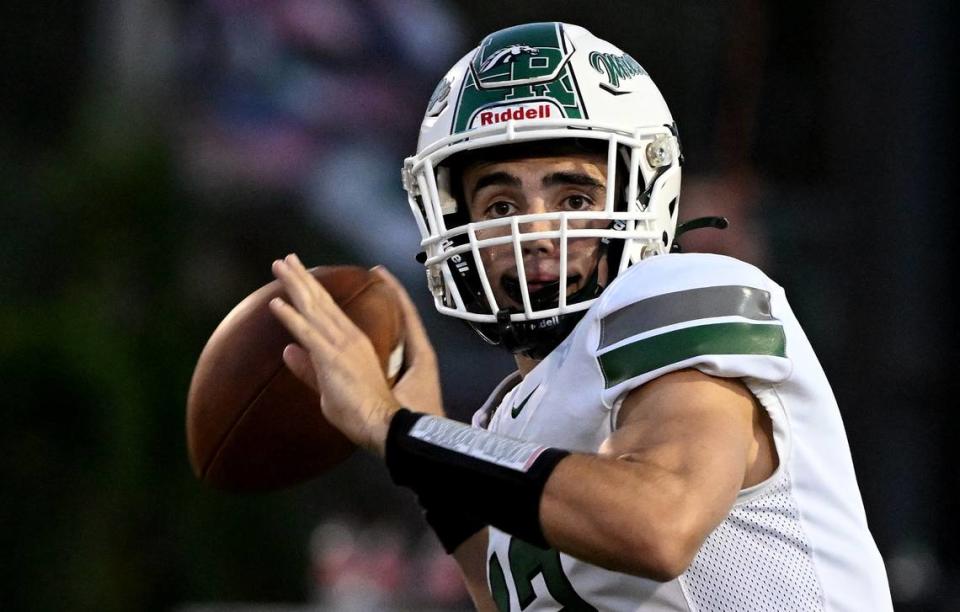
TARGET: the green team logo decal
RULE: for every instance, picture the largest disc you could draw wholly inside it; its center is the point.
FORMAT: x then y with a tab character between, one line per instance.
517	74
615	68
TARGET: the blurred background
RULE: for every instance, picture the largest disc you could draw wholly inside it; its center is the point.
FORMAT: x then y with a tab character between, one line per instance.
155	157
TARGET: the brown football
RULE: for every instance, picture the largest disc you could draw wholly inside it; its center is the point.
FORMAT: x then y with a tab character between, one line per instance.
251	424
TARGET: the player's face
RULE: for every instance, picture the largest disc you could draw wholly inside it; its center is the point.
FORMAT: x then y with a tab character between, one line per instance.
530	186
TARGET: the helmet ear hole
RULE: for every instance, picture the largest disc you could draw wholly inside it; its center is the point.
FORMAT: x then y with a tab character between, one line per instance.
665	238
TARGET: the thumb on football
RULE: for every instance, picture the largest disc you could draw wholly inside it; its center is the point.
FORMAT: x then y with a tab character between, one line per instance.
417	341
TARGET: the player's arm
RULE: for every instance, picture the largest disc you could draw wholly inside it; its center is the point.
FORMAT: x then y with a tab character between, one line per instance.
471	556
685	445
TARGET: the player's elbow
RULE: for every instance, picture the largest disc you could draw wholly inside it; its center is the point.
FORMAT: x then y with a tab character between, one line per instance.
668	564
666	554
666	560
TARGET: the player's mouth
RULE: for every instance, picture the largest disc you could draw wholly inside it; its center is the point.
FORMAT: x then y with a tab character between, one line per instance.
544	290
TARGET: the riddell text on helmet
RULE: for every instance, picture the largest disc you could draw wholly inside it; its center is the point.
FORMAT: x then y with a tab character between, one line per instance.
515	113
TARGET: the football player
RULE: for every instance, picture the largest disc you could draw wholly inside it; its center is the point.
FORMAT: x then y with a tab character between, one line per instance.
669	440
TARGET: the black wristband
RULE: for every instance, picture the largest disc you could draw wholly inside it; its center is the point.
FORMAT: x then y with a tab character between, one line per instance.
452	525
492	478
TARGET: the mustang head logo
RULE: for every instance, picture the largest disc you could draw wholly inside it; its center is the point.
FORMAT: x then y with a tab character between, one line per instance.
438	101
507	55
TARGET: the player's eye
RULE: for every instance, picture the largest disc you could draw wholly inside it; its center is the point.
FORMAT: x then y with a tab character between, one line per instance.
500	208
578	202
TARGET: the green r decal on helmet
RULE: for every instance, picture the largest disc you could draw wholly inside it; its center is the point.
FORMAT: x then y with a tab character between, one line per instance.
517	74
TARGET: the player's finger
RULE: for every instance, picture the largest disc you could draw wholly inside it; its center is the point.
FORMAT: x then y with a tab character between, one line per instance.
417	339
310	283
317	309
298	362
303	275
308	296
329	308
297	291
299	327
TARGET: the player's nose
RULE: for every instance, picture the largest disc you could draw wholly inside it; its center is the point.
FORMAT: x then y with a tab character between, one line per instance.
543	245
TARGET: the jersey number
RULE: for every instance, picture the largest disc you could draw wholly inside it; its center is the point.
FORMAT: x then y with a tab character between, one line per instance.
526	562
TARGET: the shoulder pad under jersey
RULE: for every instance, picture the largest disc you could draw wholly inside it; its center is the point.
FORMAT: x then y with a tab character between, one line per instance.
671	312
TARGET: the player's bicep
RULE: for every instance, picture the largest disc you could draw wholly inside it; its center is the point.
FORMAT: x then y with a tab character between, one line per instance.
696	428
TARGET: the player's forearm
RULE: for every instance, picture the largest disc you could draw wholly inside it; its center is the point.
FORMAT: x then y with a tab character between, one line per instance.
636	519
632	516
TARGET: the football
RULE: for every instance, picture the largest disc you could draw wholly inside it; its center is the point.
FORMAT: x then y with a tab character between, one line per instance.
251	424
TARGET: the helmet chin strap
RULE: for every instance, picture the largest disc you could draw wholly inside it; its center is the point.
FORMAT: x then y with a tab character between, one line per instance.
694	224
536	339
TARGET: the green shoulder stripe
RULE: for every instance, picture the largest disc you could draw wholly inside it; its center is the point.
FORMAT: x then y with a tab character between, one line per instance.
648	354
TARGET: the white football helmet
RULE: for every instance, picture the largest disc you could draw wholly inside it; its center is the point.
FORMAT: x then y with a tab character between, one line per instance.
541	82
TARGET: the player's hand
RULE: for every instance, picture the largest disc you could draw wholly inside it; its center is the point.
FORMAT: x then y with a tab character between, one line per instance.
355	396
419	387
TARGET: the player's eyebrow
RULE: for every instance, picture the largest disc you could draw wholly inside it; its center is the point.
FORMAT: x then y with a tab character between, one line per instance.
572	178
496	178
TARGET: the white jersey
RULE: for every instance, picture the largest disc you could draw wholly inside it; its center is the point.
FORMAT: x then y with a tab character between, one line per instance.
797	541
